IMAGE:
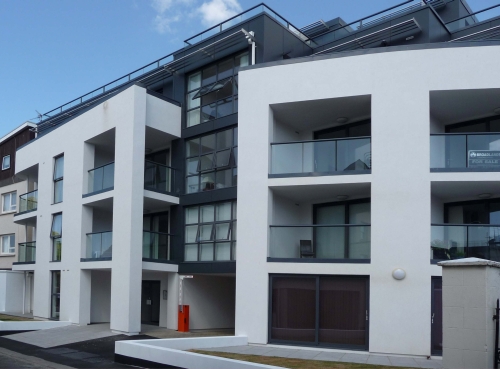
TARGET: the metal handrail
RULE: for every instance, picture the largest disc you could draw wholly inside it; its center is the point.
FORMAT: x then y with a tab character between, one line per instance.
99	232
470	15
159	164
467	134
27	193
101	166
162	233
322	140
242	13
465	225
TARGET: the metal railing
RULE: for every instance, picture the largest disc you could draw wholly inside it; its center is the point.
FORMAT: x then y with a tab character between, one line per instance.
101	178
28	201
321	156
247	14
457	241
99	245
320	241
158	177
470	19
155	245
26	252
465	151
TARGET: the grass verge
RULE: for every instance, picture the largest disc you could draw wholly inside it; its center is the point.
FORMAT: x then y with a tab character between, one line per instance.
294	363
11	318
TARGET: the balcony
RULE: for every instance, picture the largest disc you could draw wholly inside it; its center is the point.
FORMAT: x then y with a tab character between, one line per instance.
321	157
450	242
155	246
346	243
465	152
27	252
158	177
28	202
99	246
101	179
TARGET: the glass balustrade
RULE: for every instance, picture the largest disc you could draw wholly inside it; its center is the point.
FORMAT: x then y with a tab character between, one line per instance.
342	242
26	252
321	156
449	242
158	177
155	245
99	245
28	201
465	151
101	178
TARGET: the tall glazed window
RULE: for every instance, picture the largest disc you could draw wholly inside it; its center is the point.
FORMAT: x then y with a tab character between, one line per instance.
210	232
211	161
56	236
58	178
213	91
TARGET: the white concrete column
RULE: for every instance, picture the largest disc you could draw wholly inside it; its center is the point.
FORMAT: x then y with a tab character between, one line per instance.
471	288
400	220
85	288
126	274
173	301
252	280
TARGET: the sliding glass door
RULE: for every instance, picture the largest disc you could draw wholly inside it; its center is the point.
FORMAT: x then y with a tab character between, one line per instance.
319	311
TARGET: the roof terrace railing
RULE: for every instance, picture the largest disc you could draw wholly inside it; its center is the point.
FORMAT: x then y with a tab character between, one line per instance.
247	14
462	22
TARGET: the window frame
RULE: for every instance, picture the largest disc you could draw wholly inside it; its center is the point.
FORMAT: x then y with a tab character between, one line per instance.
231	232
56	294
12	194
10	236
215	86
56	255
230	164
3	162
56	180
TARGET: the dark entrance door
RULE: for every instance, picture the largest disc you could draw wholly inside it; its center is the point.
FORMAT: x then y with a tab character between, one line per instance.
437	316
150	304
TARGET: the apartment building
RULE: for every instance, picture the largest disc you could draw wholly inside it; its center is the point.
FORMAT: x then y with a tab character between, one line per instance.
14	239
308	180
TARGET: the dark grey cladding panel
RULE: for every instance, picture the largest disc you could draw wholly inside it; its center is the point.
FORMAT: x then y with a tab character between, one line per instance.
222	194
208	267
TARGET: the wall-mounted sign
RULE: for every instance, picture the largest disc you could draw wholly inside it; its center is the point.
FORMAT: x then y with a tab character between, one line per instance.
483	158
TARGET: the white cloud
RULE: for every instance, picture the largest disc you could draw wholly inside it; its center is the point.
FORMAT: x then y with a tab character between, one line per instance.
216	11
161	5
167	13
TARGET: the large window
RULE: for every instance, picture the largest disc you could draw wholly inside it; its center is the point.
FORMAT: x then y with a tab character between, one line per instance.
213	91
55	301
8	245
56	236
211	161
9	202
58	179
319	310
6	162
210	232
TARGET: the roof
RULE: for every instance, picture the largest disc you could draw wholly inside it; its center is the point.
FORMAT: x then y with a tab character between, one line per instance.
17	130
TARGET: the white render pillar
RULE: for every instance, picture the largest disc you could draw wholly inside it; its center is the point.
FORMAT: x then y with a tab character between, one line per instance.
471	288
84	297
400	220
126	274
173	301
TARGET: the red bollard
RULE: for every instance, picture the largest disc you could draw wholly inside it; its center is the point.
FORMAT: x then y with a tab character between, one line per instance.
183	318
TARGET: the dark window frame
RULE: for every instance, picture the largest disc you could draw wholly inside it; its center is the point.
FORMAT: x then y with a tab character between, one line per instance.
56	238
232	236
317	343
58	179
346	205
232	163
485	202
345	127
3	162
55	294
210	88
472	122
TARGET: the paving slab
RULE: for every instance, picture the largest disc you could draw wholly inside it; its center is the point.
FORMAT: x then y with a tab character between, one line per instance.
304	354
258	350
279	352
329	356
403	361
378	360
80	355
63	336
355	358
429	363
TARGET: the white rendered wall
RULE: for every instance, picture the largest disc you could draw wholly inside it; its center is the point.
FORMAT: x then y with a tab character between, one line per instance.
399	84
211	301
11	291
125	113
100	297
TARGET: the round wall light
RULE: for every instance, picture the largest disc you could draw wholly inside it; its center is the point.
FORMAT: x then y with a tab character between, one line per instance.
342	197
484	195
342	120
398	274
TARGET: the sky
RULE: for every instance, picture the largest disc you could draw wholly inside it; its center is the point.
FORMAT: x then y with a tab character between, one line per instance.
53	51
